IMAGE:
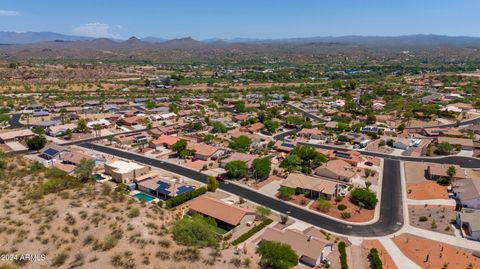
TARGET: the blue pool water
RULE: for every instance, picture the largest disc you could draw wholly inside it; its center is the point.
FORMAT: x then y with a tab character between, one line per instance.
143	196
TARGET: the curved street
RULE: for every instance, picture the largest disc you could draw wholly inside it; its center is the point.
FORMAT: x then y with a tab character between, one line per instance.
391	210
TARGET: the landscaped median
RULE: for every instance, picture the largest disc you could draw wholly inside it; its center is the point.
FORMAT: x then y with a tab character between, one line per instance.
252	231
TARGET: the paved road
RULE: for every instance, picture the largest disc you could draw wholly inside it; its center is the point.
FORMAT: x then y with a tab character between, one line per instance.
466	162
15	121
391	212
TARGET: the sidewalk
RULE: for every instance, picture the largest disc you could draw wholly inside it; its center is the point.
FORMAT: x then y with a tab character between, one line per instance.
397	255
447	202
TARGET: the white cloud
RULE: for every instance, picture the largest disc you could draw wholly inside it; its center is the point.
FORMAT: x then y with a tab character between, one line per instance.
94	29
9	13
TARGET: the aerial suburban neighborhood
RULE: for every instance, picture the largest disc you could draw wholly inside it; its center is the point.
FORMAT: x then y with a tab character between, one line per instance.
338	152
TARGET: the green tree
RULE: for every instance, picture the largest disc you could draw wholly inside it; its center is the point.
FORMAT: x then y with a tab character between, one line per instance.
444	148
241	143
236	169
219	127
173	108
364	197
240	106
150	104
271	126
261	168
212	184
263	212
68	133
84	169
82	126
291	163
451	171
37	142
277	255
196	231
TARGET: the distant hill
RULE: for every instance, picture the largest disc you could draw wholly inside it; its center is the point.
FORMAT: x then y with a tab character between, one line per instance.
36	37
151	39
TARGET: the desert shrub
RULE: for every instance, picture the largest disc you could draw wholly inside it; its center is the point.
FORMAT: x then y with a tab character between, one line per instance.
345	215
423	219
341	207
195	231
365	197
133	212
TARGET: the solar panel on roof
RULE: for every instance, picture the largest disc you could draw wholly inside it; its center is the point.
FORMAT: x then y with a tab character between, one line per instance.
288	145
51	152
184	189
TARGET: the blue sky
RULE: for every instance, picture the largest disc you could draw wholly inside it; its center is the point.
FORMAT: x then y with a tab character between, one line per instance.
203	19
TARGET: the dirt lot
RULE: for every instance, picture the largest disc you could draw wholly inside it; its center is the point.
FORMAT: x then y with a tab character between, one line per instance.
426	190
443	216
387	261
91	226
415	172
433	254
374	146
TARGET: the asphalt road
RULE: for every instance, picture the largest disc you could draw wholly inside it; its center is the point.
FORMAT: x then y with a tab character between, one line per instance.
391	211
14	121
466	162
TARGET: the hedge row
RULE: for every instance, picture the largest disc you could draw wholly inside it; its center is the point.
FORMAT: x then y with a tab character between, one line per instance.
252	231
375	259
182	198
343	254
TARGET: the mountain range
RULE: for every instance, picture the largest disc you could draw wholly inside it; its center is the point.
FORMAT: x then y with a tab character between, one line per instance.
14	38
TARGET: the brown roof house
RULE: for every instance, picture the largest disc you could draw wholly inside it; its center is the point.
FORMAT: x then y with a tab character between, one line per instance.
336	169
467	144
436	171
202	151
311	249
315	185
227	216
237	156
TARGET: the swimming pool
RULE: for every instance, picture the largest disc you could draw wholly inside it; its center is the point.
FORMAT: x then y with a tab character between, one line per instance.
143	196
98	177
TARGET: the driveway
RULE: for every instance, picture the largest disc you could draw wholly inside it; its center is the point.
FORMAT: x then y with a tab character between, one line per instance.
270	189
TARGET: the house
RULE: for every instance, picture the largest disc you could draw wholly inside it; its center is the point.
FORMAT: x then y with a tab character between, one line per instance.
436	171
47	123
163	141
469	223
131	121
16	135
466	144
284	146
336	169
100	122
331	125
318	187
467	192
60	129
352	157
202	151
131	138
237	156
312	134
125	172
50	153
253	128
161	187
74	157
311	250
227	216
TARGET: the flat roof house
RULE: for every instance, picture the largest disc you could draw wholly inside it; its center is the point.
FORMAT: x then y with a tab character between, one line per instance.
125	172
226	215
311	250
318	187
16	135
